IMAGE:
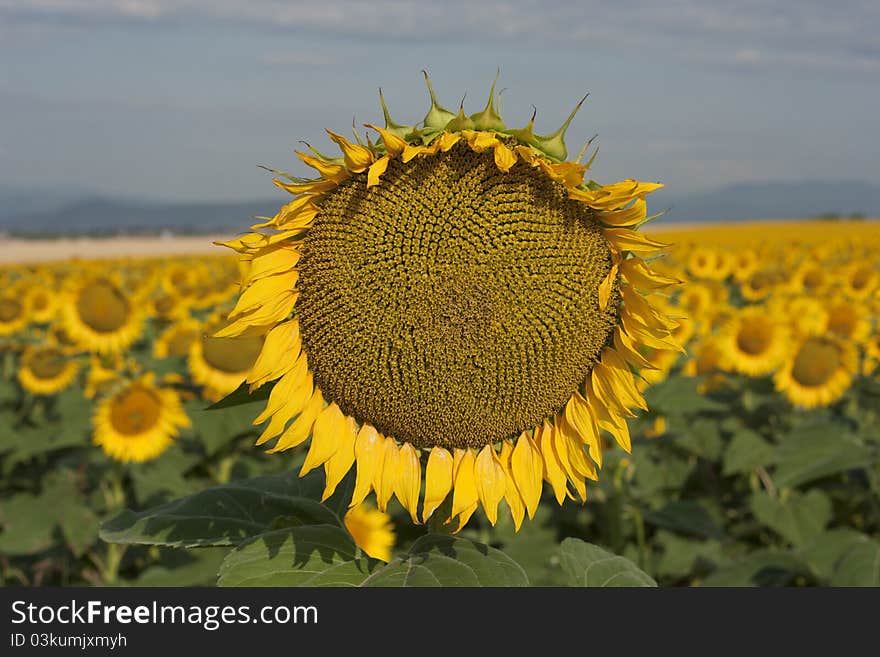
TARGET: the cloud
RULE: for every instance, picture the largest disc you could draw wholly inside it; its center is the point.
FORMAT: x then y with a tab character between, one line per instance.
799	34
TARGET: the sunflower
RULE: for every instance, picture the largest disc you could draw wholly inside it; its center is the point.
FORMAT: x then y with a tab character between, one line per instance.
453	295
220	364
41	303
848	321
811	278
371	530
46	369
139	421
761	283
753	342
13	313
859	279
818	372
176	340
98	315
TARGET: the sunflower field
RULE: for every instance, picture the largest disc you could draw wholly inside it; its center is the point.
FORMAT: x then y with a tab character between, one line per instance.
449	359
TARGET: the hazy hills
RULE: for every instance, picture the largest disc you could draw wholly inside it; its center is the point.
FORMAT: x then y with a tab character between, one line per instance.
24	213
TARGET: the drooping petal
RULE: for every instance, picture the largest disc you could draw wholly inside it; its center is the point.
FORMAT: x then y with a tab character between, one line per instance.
280	351
511	492
580	417
528	468
490	482
504	157
409	480
438	480
368	456
301	427
357	157
639	275
387	474
338	465
633	241
553	471
394	145
376	170
464	495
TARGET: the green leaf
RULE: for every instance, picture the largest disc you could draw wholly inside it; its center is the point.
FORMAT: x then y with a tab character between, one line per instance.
216	428
27	528
440	560
164	475
700	437
681	555
824	550
197	567
79	526
590	565
533	547
684	516
747	451
241	395
759	568
315	555
860	566
224	515
815	451
797	518
678	395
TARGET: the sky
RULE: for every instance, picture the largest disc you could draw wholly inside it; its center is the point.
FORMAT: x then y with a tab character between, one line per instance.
180	100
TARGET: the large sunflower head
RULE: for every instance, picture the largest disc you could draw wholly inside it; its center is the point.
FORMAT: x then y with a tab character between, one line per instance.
452	297
98	314
138	421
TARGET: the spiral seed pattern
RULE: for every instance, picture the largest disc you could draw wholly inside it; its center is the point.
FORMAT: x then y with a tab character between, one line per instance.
453	304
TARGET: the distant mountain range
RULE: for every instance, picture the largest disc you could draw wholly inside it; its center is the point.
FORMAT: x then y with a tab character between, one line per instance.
31	215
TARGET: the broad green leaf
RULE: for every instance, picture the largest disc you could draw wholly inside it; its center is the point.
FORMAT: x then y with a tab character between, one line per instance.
815	451
759	568
664	472
79	526
164	475
26	443
196	567
313	555
797	518
533	547
678	395
26	527
439	560
747	451
224	515
589	565
700	437
824	550
216	428
684	516
860	566
682	555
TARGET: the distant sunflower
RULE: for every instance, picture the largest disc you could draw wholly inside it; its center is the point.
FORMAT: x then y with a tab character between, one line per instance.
753	342
46	370
139	421
860	279
13	313
810	278
454	293
848	321
372	531
98	315
176	340
41	302
761	283
220	364
819	371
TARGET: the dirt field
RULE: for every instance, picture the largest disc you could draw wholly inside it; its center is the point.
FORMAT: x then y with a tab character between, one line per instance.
27	251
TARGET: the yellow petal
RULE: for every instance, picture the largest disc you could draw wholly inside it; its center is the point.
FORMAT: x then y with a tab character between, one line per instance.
301	427
394	145
527	468
653	338
577	457
280	395
388	472
490	482
603	386
624	217
479	141
357	157
278	355
629	240
639	275
511	492
438	480
553	471
447	140
504	157
606	286
610	422
581	419
263	290
638	306
411	151
271	261
563	455
464	494
618	194
328	170
624	346
376	170
296	401
368	454
409	480
623	377
338	465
